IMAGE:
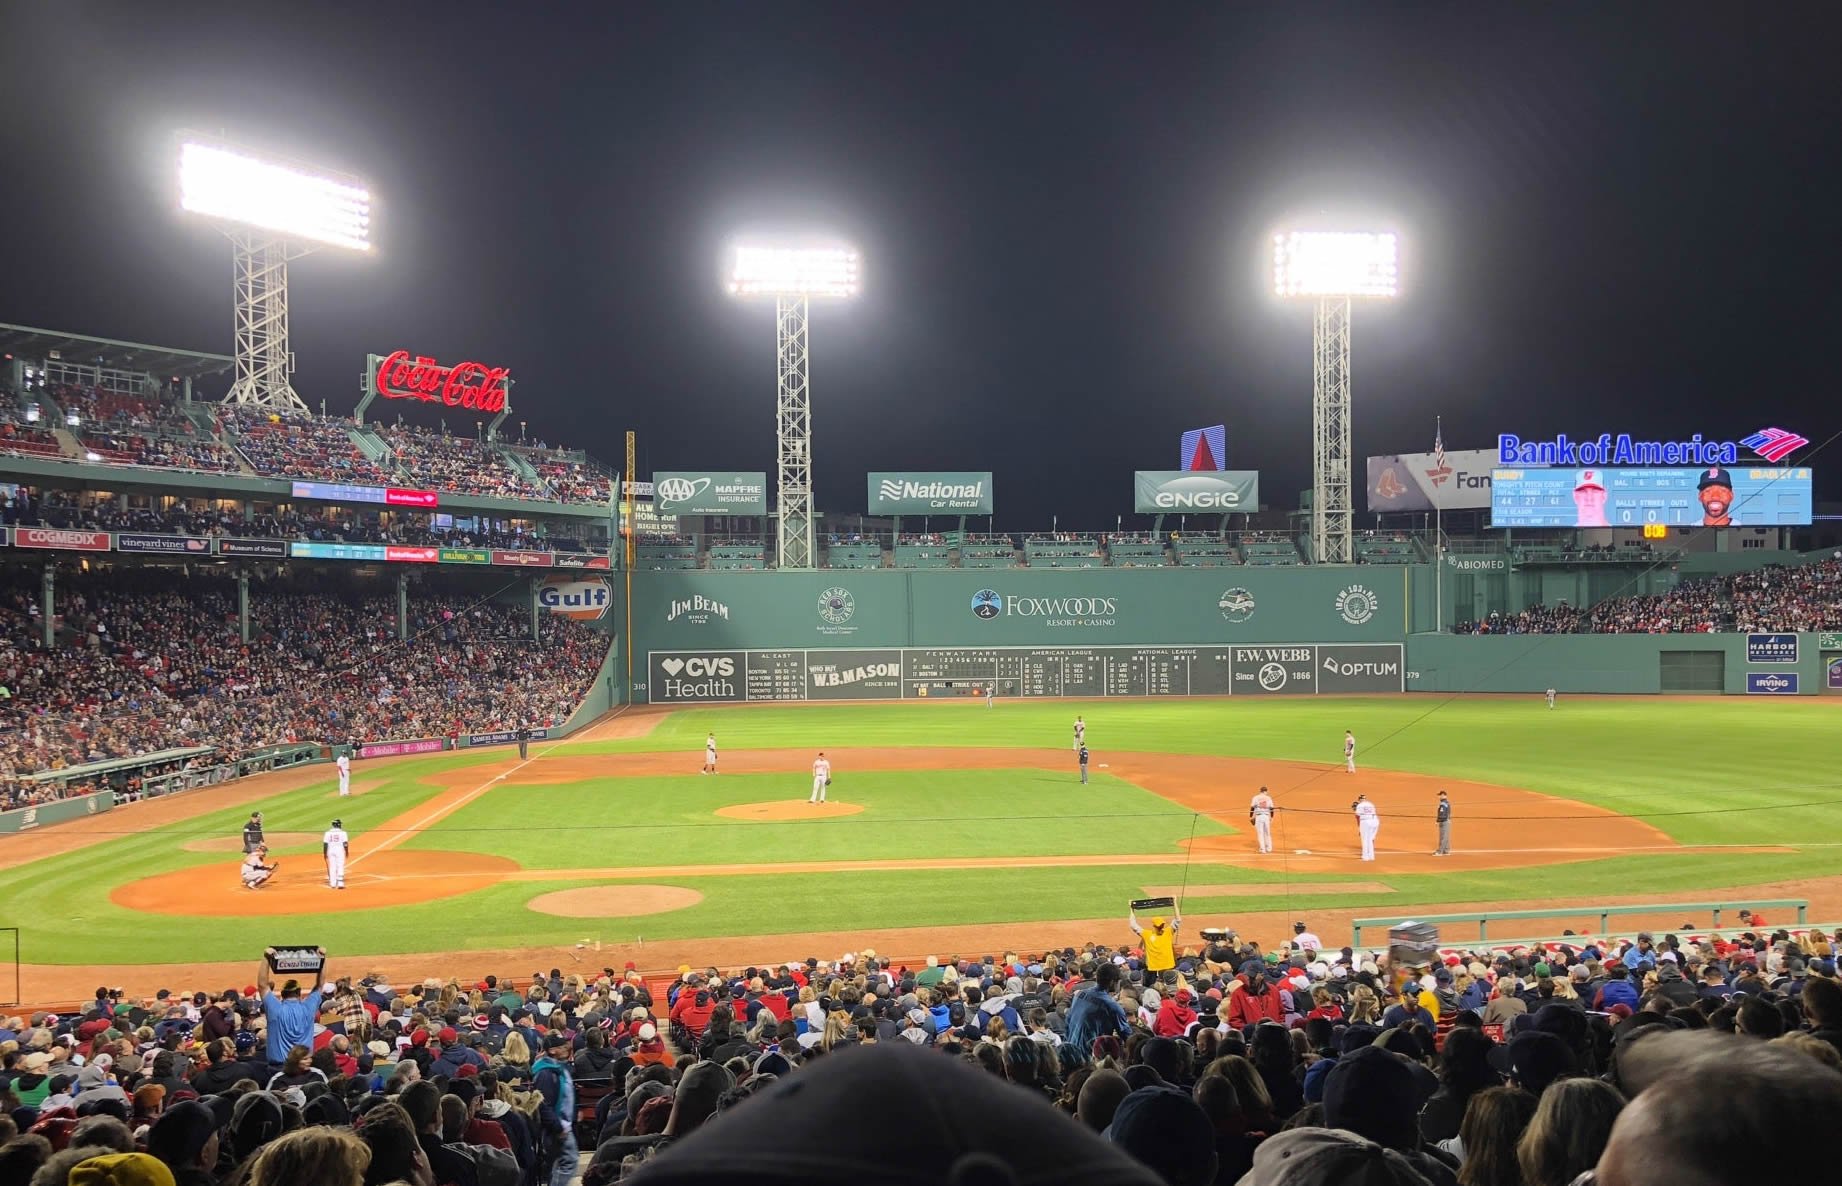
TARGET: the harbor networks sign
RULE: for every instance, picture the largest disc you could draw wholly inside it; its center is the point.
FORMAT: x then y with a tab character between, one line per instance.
1050	611
937	492
1176	491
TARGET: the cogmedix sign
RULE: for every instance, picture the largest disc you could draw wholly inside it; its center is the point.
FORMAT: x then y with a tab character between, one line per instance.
702	492
934	492
1165	491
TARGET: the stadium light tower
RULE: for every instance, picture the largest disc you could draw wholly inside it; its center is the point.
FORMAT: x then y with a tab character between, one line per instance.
793	276
273	210
1332	267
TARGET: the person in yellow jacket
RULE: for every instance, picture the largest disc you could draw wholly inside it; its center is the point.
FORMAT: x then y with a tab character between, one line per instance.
1160	940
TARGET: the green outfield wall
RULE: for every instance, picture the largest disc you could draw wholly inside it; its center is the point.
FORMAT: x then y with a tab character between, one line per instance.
1734	664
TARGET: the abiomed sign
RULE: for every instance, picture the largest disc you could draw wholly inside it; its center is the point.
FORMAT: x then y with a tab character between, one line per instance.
934	492
1164	491
697	492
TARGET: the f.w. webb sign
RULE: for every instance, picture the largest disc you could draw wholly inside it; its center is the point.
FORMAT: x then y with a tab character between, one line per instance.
933	492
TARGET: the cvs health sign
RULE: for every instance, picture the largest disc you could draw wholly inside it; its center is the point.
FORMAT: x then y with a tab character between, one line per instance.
690	676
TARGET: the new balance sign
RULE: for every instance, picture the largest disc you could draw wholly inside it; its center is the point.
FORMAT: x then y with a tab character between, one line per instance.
930	493
1164	491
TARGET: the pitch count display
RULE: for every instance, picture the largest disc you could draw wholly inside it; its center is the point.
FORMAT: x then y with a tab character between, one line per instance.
1708	496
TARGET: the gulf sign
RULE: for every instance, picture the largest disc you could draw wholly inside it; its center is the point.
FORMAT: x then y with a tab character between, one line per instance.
586	599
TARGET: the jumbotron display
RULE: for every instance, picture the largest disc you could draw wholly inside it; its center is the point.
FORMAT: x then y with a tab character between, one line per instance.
919	673
1709	496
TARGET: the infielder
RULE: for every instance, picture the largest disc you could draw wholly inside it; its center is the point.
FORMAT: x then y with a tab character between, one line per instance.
1368	823
255	870
821	778
1349	752
1261	812
1550	697
344	762
709	755
1445	826
333	846
1080	732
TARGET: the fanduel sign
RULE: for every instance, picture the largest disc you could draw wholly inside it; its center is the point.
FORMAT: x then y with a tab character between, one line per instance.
952	492
1416	482
1228	491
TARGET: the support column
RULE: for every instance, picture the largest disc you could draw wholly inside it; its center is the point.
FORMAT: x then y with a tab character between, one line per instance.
243	606
1330	432
403	607
793	430
48	603
536	584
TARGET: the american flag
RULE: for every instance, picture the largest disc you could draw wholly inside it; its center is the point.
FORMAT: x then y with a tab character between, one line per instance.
1438	445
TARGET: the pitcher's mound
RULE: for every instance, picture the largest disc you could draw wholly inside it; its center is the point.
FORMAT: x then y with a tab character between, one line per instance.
614	901
786	809
275	840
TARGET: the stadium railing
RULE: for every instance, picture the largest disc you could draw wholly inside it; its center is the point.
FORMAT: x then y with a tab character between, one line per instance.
1605	914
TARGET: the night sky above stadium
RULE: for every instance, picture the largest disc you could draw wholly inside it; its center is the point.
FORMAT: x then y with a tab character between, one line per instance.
1619	223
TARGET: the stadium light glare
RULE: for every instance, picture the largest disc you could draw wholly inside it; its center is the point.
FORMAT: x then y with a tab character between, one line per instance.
794	271
1335	264
221	181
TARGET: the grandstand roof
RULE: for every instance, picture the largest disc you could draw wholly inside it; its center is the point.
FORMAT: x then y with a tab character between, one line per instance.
39	344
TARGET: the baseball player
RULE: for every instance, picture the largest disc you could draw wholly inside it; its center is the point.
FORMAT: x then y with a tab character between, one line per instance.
991	690
1260	811
252	833
1445	827
1302	937
256	869
821	778
1080	732
1368	822
344	762
709	755
1349	752
333	846
1550	697
1082	757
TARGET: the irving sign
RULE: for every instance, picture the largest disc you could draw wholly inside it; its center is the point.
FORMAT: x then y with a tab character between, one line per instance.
931	493
470	385
1175	491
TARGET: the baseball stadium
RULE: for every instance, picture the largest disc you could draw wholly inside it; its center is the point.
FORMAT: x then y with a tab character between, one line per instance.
374	755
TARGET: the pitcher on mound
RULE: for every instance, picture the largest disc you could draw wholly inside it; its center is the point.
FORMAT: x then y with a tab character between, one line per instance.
821	778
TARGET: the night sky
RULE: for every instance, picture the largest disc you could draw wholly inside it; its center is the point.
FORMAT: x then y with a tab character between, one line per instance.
1617	220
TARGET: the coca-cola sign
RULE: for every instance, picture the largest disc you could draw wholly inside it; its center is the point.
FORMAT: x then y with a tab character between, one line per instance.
470	385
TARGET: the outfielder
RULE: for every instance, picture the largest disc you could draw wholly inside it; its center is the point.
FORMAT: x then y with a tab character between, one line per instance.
1261	812
991	690
1368	823
256	871
709	755
1080	732
334	845
1550	697
1349	752
344	762
821	778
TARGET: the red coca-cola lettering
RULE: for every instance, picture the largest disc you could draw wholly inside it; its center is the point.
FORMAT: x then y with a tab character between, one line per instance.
401	377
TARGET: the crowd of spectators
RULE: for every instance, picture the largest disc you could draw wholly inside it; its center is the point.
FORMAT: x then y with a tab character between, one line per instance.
432	460
1620	1060
1537	619
154	660
22	437
1774	598
570	480
297	445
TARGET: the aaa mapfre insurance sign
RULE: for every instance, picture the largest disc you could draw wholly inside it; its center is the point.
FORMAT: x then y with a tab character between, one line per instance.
471	385
586	599
53	537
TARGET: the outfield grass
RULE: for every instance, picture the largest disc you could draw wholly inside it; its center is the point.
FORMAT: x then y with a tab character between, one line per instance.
1719	771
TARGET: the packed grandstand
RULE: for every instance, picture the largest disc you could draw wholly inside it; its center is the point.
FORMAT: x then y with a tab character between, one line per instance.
1291	1066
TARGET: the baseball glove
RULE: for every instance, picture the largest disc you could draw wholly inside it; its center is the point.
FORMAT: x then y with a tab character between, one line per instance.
828	782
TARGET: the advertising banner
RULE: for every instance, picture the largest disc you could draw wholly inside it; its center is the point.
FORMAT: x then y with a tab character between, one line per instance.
1829	640
391	749
1274	671
1376	667
52	537
931	492
502	737
1228	491
1771	648
271	549
24	819
1771	683
691	677
1416	482
1834	674
411	555
1714	496
1203	448
162	545
701	492
466	556
390	496
854	675
524	559
1477	563
314	550
585	599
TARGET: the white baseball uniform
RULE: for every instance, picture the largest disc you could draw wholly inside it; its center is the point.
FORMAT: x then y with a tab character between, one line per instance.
1080	733
345	773
253	872
710	755
821	774
334	844
1349	752
1262	811
1550	697
1368	823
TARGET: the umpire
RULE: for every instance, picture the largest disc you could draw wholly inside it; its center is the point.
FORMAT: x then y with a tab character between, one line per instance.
1445	827
524	742
252	833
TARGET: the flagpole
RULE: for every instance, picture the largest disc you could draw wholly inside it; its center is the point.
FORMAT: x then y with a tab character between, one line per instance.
1439	540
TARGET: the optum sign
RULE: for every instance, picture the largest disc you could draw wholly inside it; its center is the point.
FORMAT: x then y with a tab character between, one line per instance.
1164	491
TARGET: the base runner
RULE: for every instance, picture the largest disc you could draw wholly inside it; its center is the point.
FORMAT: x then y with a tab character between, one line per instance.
821	778
334	845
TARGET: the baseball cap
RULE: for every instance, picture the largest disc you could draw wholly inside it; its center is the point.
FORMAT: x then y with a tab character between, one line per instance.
1166	1130
1589	479
1715	476
1329	1157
